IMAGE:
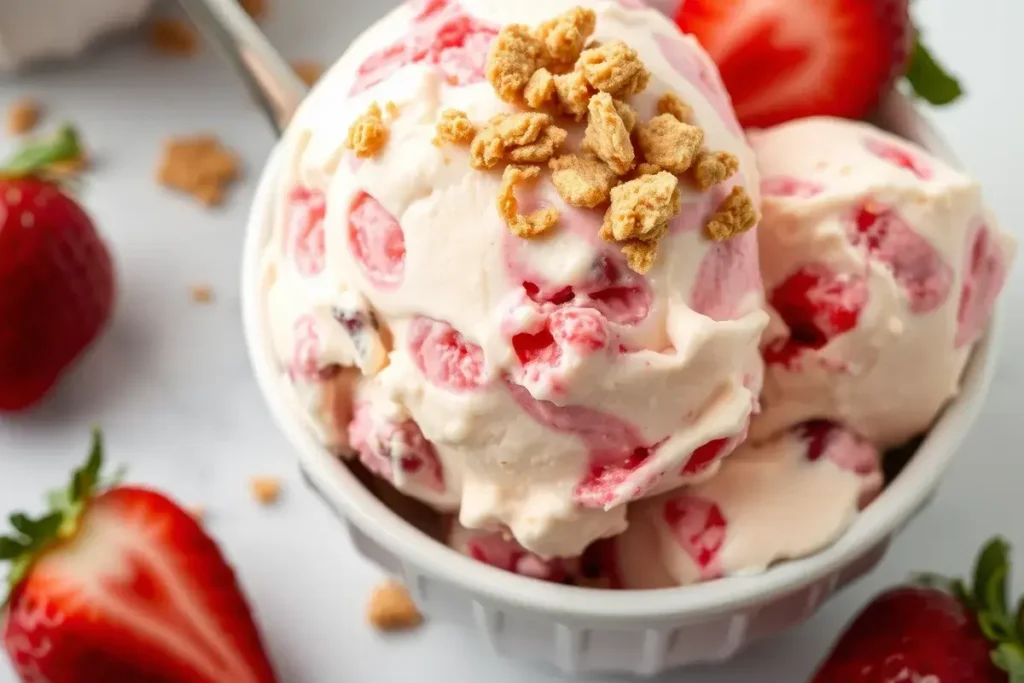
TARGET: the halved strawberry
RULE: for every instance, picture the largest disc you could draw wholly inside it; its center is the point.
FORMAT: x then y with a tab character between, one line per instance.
123	586
787	59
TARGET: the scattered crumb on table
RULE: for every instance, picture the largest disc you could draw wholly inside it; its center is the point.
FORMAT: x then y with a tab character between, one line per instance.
201	294
266	490
199	166
171	36
391	608
23	116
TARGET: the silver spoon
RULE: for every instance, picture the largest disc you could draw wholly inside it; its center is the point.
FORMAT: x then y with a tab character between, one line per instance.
269	78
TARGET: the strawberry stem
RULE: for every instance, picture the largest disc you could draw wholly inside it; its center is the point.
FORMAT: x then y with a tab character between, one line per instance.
987	598
32	536
35	156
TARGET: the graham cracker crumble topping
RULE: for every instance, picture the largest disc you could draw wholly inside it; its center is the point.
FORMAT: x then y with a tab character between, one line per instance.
736	214
574	93
641	208
614	68
515	55
23	116
607	135
201	294
540	89
308	71
670	143
645	168
391	608
669	103
639	215
583	181
565	35
368	134
199	166
266	490
454	128
529	226
172	36
712	168
521	137
626	113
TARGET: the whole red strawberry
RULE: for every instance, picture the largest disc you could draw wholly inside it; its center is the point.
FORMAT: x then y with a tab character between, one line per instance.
123	586
786	59
936	632
56	276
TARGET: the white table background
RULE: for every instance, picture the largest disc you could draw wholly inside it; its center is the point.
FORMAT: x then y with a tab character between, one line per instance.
171	386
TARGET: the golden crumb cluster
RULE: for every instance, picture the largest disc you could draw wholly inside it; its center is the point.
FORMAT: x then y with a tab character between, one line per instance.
23	116
632	168
199	166
391	608
369	132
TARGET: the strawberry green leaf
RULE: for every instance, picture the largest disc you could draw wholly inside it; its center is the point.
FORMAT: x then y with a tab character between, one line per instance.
84	480
1010	658
38	154
990	575
992	627
1019	619
22	523
929	79
10	548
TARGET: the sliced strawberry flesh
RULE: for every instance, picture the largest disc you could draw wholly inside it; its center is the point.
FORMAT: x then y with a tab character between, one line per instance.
140	594
396	452
787	59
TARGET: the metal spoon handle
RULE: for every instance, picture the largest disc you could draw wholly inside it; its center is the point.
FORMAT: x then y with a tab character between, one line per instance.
267	75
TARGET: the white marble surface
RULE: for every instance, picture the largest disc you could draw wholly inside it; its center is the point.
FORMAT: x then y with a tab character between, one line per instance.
170	382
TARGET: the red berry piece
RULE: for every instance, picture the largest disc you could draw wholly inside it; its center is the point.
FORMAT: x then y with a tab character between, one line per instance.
57	281
787	60
442	35
601	487
788	186
699	528
703	457
728	273
377	242
847	451
817	305
567	330
502	551
918	268
984	275
682	55
396	452
444	356
619	294
899	156
305	216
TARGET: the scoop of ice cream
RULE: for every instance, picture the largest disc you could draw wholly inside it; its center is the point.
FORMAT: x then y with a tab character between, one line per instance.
779	500
881	265
535	385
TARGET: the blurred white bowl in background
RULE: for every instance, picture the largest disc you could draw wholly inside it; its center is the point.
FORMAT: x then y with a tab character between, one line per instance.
54	29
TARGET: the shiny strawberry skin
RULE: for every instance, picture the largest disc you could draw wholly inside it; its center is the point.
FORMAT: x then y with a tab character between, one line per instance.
786	59
140	594
56	288
912	634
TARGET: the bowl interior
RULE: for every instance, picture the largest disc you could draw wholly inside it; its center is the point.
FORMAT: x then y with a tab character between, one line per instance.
918	468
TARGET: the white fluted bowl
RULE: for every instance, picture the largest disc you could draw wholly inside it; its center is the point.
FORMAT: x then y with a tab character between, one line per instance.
587	630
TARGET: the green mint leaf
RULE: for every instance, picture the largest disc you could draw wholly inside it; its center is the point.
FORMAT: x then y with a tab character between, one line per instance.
990	575
929	79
